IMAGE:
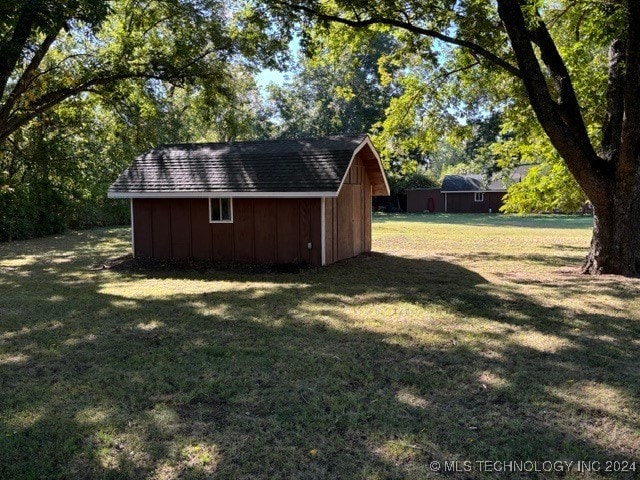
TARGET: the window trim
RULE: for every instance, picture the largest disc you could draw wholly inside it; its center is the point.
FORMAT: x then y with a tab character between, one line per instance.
478	197
219	199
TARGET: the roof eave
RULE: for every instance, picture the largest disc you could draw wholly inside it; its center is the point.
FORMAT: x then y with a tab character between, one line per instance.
209	194
473	191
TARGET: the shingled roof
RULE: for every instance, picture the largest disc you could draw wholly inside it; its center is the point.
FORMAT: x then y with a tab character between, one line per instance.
478	183
462	183
309	167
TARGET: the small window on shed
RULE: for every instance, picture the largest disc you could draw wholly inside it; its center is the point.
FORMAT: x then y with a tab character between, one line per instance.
479	197
220	210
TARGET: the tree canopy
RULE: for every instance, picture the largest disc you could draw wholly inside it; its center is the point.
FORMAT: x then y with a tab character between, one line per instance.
338	90
87	85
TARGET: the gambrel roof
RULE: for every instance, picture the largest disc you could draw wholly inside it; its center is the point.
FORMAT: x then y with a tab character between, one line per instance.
287	168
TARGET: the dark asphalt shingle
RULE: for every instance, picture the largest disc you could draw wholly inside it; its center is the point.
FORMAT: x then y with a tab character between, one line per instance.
478	183
462	183
310	165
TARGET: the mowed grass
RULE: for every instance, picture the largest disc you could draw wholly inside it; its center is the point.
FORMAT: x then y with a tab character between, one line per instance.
462	337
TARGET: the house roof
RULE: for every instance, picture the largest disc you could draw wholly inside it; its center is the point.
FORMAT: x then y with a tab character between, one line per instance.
477	183
307	167
462	183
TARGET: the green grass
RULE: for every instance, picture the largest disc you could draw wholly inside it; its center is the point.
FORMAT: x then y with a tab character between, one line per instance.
462	338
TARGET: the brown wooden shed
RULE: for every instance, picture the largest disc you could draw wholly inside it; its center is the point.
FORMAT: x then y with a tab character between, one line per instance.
465	193
278	201
458	194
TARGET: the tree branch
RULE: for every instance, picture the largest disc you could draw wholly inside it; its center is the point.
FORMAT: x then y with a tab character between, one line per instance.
16	118
12	49
569	107
612	125
581	159
473	47
27	76
50	99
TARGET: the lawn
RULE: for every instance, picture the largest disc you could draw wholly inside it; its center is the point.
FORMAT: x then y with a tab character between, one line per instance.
468	338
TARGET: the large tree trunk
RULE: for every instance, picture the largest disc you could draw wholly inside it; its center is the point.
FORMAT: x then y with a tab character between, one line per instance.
610	180
615	245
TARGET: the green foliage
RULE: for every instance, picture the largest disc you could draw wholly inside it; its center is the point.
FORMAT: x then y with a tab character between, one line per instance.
56	174
549	187
338	90
399	184
454	106
119	82
31	210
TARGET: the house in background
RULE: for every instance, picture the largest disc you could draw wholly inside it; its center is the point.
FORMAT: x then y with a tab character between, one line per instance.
463	194
279	201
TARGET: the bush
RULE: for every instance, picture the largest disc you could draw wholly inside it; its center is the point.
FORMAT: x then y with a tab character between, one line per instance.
31	210
399	184
40	208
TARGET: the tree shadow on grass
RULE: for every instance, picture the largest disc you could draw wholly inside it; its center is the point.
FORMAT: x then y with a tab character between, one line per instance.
300	375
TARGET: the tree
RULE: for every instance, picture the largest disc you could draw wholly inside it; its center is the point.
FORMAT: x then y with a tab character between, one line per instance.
338	91
88	85
545	188
53	51
514	37
548	186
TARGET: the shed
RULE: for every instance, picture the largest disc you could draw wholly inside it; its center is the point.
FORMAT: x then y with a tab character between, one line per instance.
464	194
471	194
273	201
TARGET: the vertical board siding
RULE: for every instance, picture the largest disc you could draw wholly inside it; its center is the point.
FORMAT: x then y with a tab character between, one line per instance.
465	202
304	221
181	229
315	210
336	233
265	230
350	233
200	229
366	191
288	231
345	222
418	200
222	236
142	228
494	200
161	224
243	230
328	230
357	219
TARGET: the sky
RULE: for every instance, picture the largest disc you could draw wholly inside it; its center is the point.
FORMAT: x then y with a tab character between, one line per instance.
267	76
